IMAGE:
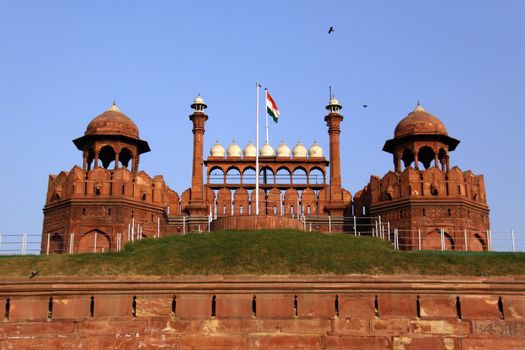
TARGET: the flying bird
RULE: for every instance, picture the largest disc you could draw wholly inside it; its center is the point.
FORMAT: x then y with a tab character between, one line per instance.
330	30
33	273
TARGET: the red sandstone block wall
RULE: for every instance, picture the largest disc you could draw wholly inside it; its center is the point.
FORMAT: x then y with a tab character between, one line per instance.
280	318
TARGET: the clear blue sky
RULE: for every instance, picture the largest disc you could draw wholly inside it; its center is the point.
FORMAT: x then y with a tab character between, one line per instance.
63	62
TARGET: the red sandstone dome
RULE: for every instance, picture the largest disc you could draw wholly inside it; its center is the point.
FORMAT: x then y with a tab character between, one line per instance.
113	122
420	122
112	125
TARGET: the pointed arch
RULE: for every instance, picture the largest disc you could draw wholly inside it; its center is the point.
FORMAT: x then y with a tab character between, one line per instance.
94	241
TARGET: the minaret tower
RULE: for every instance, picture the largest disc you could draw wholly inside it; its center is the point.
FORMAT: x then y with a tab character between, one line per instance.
197	205
333	120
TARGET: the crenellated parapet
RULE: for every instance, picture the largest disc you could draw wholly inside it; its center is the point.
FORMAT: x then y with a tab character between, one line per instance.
429	183
101	183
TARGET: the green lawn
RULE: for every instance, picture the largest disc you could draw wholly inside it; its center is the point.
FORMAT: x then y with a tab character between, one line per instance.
265	252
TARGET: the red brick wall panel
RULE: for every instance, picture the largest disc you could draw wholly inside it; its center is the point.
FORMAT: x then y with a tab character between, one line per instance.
202	341
29	308
479	307
294	325
441	327
71	307
316	305
429	343
492	343
389	326
194	306
356	306
275	306
334	342
514	307
112	327
234	305
350	326
437	307
154	305
283	341
113	306
397	306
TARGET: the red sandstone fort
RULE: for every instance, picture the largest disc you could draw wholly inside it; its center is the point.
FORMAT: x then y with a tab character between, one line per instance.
109	200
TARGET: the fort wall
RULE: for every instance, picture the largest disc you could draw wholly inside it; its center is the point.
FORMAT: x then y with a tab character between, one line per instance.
264	312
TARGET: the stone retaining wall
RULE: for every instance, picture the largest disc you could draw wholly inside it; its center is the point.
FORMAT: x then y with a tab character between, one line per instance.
262	222
299	312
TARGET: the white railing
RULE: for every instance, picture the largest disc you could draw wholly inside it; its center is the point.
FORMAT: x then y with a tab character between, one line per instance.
423	238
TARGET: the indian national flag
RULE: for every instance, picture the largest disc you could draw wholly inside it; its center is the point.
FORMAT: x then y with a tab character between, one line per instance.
271	107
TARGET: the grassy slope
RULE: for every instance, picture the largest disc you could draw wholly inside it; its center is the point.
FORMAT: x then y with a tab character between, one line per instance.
265	252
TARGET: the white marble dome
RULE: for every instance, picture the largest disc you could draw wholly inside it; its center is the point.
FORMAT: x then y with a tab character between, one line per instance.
266	151
299	151
217	150
315	151
198	99
283	150
250	150
334	102
234	150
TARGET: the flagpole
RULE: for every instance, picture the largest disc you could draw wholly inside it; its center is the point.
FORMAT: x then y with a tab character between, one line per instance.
266	112
257	149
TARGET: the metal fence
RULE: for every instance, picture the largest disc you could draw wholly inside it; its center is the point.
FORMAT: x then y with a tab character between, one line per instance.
446	238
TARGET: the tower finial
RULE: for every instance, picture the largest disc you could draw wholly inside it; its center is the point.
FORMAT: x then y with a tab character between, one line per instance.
114	107
198	104
419	108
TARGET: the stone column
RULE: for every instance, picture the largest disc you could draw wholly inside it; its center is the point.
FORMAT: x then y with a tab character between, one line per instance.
397	162
198	119
333	120
96	159
85	156
197	205
135	165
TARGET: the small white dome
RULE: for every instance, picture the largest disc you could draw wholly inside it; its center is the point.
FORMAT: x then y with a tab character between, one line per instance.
283	150
198	99
266	151
217	150
334	101
315	151
250	150
299	151
234	150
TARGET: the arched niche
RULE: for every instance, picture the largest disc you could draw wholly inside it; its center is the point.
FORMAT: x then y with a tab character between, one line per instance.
266	176
125	156
216	176
407	157
248	175
107	156
299	176
426	156
56	244
94	241
283	176
316	176
233	176
432	241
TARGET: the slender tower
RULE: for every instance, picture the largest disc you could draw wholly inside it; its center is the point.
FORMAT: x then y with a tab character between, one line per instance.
335	205
197	205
